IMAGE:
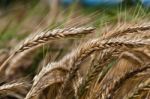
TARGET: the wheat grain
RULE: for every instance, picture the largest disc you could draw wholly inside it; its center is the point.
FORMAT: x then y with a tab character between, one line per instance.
137	58
95	70
125	29
45	37
104	44
8	88
78	55
126	76
73	60
127	63
143	86
52	76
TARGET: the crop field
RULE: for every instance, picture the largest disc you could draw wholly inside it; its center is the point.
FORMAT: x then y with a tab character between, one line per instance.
53	51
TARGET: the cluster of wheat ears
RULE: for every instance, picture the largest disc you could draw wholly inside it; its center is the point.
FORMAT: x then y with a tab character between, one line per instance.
115	65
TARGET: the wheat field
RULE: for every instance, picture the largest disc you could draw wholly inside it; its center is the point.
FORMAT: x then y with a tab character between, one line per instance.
66	53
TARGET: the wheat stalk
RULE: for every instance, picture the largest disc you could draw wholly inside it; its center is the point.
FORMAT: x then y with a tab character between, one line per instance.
14	87
73	60
129	31
125	29
52	76
101	45
53	35
110	87
126	76
45	37
117	71
143	86
95	70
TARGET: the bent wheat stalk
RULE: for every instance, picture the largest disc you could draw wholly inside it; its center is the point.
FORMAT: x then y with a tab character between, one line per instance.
95	70
53	35
142	86
129	61
129	31
52	76
126	76
45	37
98	45
13	87
125	28
72	60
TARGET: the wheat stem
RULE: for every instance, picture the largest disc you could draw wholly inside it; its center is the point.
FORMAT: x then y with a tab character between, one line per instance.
88	49
142	86
95	70
125	77
72	61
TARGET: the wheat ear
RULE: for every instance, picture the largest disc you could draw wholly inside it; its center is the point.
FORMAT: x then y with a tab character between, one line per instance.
83	52
125	69
94	70
13	87
78	55
126	76
126	29
129	31
129	61
50	75
143	86
54	35
45	37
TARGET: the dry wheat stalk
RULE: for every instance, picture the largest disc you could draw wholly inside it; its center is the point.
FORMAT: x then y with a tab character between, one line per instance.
126	89
82	52
94	70
53	35
102	45
3	55
125	29
52	76
8	88
126	76
123	71
142	87
129	30
45	37
88	78
131	62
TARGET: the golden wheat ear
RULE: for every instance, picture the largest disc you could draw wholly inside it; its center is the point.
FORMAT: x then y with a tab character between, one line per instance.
55	34
14	87
142	91
45	37
126	29
54	75
104	58
128	64
100	45
73	59
141	30
139	79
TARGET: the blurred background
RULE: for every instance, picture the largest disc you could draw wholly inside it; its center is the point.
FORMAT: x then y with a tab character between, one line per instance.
18	18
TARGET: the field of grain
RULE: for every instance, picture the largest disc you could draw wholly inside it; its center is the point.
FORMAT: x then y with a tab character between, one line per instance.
74	52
